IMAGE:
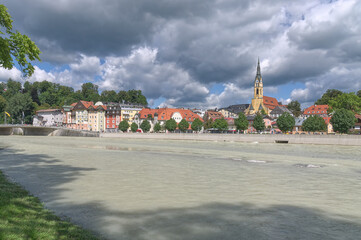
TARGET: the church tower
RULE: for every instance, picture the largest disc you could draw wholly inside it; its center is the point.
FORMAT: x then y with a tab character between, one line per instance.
257	104
258	84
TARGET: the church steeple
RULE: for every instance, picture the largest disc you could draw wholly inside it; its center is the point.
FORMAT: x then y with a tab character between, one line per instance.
258	83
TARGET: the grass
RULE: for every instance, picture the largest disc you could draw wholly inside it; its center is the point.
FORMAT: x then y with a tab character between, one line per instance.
23	216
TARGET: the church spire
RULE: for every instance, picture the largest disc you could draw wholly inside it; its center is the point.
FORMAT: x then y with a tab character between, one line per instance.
258	75
258	84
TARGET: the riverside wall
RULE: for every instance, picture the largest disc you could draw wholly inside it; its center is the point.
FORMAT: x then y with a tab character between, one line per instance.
351	140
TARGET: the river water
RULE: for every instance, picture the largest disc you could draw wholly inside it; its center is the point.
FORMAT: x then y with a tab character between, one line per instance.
158	189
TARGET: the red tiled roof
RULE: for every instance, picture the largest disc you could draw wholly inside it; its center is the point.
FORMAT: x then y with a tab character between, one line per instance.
165	114
270	102
214	115
316	110
358	116
73	104
327	119
86	103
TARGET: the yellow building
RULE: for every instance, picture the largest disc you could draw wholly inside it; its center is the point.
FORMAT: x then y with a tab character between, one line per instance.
128	112
257	104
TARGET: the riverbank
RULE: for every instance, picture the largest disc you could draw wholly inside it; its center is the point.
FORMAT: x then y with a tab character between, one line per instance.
350	140
23	217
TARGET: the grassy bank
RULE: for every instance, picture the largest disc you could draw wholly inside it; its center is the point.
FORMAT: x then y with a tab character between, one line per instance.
23	217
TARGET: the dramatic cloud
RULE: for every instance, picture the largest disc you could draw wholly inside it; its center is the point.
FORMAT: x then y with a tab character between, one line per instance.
178	50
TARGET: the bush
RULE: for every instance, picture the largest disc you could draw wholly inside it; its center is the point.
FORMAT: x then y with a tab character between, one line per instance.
314	124
241	122
258	123
342	120
197	125
220	124
145	126
171	125
157	127
183	125
285	122
134	127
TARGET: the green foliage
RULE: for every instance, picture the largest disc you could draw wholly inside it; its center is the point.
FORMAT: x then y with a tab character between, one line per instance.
89	92
314	123
3	104
285	122
183	125
295	108
327	96
263	112
358	93
134	127
197	125
157	127
208	123
342	120
241	122
15	45
258	123
109	96
348	101
171	125
145	126
23	216
21	108
220	124
123	126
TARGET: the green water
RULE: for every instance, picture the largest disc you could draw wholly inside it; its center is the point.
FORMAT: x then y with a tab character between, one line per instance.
155	189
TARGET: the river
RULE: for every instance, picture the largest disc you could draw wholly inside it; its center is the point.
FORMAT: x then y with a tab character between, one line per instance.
164	189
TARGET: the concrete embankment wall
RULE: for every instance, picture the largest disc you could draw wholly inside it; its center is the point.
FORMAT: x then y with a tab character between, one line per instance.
261	138
73	133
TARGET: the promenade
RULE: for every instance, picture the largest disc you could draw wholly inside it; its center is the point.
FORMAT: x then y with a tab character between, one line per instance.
350	140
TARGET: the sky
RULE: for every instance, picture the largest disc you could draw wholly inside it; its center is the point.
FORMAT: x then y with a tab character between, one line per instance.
186	53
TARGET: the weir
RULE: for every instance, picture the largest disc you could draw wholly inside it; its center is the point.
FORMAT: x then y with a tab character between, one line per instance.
29	130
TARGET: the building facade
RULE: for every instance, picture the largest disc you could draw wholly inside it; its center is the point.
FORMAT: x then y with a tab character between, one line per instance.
112	117
48	118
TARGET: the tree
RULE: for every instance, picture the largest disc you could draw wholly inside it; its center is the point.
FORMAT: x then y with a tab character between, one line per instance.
157	127
258	123
208	123
89	92
295	108
183	125
241	122
123	126
327	96
15	45
285	122
171	125
220	124
314	123
197	125
145	126
21	108
12	88
348	101
109	96
342	120
134	127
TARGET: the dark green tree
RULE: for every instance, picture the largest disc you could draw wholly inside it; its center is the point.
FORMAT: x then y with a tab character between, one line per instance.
171	125
197	125
15	46
183	125
12	88
327	96
157	127
109	96
89	92
295	108
348	101
134	127
3	104
358	93
123	126
258	123
145	126
342	120
220	124
314	123
241	122
285	122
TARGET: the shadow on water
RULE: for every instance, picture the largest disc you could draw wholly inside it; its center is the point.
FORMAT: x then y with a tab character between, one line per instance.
204	222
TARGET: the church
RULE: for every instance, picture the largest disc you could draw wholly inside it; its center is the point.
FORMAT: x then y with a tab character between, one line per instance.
260	102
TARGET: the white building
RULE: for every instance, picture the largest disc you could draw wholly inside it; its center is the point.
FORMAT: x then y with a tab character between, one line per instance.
48	118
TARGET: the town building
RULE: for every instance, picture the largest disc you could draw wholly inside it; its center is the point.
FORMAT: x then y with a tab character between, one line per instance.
112	117
128	112
97	117
80	115
48	118
212	114
278	111
259	102
66	110
237	108
320	110
162	115
227	114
